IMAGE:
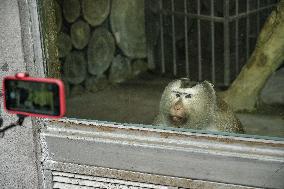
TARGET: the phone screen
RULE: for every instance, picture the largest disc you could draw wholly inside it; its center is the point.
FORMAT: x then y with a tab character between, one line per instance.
32	97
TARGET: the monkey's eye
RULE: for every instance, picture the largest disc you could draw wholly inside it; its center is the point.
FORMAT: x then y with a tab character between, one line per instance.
177	95
188	96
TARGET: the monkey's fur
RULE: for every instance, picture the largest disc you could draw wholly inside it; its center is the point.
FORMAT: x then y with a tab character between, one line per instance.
184	105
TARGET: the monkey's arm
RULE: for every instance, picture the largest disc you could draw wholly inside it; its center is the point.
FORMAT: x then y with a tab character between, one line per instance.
158	120
226	120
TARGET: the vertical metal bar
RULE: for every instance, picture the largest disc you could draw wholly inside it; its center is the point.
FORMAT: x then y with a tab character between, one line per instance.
258	18
237	38
213	77
162	37
173	37
226	43
247	32
199	43
186	39
266	4
267	11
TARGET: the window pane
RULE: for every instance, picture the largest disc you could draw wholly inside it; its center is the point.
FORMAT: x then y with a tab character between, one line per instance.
167	63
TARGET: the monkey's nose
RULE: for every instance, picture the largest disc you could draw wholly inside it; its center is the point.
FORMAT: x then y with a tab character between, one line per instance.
178	107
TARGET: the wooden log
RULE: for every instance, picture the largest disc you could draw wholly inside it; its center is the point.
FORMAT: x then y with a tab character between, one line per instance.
120	69
80	34
58	16
71	10
128	26
75	69
101	50
95	11
64	44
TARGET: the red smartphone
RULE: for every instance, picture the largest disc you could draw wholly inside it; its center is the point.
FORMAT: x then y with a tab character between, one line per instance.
37	97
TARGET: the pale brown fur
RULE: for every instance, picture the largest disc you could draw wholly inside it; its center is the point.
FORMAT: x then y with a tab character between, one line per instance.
196	107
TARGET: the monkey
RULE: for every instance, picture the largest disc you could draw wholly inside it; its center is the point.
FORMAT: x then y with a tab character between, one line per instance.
195	106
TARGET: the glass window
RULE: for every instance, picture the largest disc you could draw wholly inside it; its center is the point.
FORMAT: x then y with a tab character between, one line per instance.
173	64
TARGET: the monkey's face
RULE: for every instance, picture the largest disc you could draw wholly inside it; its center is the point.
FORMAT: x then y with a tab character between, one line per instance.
182	104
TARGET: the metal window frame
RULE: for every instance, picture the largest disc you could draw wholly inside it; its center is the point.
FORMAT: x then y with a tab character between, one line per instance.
145	154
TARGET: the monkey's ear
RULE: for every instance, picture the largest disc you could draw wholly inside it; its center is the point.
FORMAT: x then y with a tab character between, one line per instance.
208	83
185	83
209	87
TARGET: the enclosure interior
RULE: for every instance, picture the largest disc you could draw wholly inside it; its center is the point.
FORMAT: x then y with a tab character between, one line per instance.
117	56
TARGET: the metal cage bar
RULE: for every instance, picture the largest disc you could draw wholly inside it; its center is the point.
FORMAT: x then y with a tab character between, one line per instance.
247	32
213	77
245	14
173	38
226	43
199	44
168	8
257	18
194	16
217	18
237	37
162	37
186	39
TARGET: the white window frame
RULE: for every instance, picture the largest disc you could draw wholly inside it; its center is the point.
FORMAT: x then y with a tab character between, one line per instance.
144	154
190	157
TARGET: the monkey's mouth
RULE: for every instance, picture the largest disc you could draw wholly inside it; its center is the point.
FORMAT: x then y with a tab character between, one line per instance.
177	120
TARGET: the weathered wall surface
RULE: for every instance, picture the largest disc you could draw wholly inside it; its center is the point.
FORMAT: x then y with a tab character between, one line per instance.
17	151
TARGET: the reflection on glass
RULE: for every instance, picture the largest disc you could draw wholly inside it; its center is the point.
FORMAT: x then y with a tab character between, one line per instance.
122	60
32	97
